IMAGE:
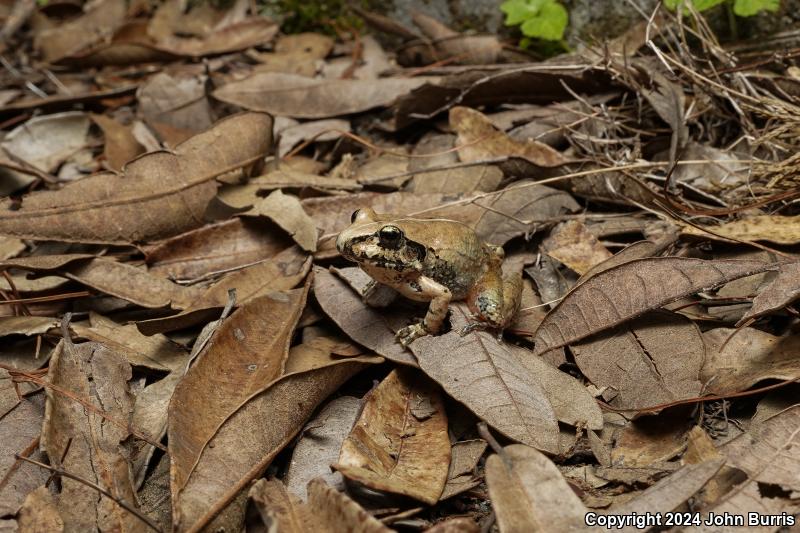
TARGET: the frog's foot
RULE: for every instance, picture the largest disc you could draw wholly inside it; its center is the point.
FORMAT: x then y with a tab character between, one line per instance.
478	324
407	335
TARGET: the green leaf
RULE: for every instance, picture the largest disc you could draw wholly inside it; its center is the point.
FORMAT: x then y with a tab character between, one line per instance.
748	8
518	11
549	25
699	5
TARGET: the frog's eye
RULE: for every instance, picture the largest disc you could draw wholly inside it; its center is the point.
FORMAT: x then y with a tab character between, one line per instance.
390	236
354	215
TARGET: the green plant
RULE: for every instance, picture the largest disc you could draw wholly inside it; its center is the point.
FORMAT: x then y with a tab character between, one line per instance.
742	8
539	19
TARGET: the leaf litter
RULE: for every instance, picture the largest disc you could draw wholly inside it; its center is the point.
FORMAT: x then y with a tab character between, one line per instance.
216	354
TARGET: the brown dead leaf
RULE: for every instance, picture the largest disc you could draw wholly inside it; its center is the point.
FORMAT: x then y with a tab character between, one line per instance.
245	443
283	271
122	280
290	178
769	228
738	359
478	139
654	359
156	352
765	453
175	106
342	513
120	144
251	345
651	439
628	290
780	292
283	510
20	427
572	244
86	444
447	43
99	22
46	141
40	513
287	212
317	131
529	493
217	247
158	195
319	445
26	325
301	97
399	443
464	458
490	379
360	322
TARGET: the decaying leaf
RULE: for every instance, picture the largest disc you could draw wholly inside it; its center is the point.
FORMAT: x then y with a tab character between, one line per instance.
39	512
464	458
780	292
651	360
46	141
399	443
300	97
630	289
572	244
287	212
651	439
158	195
738	359
769	228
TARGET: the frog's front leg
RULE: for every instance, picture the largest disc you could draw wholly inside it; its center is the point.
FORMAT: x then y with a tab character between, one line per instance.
494	300
440	297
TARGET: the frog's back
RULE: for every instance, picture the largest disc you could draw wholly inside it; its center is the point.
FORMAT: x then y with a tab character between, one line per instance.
455	256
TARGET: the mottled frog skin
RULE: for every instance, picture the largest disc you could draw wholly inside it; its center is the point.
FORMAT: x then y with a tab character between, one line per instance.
434	260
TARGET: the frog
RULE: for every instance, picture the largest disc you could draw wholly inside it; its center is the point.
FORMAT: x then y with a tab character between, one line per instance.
432	260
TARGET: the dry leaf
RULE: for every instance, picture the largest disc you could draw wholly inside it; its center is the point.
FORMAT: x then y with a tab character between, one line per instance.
340	512
399	443
158	195
86	444
175	107
319	445
120	144
288	213
464	458
529	493
283	511
46	141
40	513
363	324
769	228
628	290
315	131
217	247
780	292
572	244
301	97
652	360
651	439
99	22
738	359
478	139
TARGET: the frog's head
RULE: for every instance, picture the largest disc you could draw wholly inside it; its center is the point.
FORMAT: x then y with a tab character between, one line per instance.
380	241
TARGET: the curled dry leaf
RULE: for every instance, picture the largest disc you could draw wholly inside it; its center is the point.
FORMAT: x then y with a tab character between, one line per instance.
215	247
122	280
464	458
342	513
628	290
529	493
158	195
46	141
283	271
572	244
283	510
26	325
316	131
652	360
120	144
489	378
363	324
319	445
300	97
770	228
649	440
247	441
478	139
738	359
175	106
766	452
156	352
400	443
779	293
87	444
288	213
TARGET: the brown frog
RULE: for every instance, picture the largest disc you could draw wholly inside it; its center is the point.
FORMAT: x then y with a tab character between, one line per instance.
434	260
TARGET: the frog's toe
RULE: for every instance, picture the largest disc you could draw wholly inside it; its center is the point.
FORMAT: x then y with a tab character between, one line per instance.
407	335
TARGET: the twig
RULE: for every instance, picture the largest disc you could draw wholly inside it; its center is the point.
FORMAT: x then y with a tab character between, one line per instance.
122	503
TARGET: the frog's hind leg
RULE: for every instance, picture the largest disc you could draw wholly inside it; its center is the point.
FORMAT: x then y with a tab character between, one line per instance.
495	300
